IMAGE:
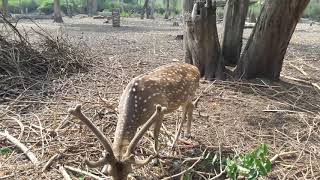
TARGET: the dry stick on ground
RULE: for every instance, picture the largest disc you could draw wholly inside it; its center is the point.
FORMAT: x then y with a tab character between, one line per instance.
300	70
49	163
82	172
21	146
64	173
316	85
21	127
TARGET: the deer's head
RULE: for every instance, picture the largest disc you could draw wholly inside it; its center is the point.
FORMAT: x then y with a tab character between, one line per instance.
118	169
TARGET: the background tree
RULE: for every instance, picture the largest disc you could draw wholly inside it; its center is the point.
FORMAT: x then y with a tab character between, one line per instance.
57	12
201	41
264	53
92	7
234	20
4	8
167	13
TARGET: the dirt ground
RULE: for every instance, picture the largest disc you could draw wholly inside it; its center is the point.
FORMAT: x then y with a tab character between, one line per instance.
232	117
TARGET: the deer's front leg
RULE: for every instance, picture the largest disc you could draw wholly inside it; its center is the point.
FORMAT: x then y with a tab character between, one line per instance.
156	132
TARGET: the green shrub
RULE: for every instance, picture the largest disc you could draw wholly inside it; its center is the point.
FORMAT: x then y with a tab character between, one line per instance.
251	165
46	7
312	11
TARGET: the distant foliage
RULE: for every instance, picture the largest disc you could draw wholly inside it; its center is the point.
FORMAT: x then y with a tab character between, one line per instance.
80	6
312	11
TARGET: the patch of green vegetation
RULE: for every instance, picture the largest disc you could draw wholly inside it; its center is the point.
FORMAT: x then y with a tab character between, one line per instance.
5	150
312	11
251	165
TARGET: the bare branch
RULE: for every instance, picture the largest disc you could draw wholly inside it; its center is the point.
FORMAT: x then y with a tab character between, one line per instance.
49	163
159	111
21	146
100	162
83	172
64	173
102	138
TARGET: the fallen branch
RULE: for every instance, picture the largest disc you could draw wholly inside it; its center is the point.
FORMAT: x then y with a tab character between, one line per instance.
64	173
316	85
21	146
83	172
299	69
49	163
275	157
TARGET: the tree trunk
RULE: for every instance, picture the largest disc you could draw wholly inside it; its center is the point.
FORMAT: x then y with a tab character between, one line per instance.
92	7
145	8
267	45
57	12
69	11
5	8
234	20
167	14
150	13
202	47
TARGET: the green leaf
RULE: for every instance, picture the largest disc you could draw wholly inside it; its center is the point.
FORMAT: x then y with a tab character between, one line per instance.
268	165
262	150
214	159
5	150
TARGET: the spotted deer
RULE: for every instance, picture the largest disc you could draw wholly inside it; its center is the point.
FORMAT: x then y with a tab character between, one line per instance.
143	103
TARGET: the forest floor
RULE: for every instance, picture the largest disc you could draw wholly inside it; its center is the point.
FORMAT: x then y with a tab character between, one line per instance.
232	118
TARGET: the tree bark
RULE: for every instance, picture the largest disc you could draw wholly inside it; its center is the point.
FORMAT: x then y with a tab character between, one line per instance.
234	20
202	47
57	12
264	53
5	8
167	14
92	7
69	11
145	9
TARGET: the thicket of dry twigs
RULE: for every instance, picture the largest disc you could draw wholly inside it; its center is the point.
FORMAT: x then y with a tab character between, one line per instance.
26	65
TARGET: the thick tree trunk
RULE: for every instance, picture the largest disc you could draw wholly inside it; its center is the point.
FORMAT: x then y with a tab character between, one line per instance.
202	47
167	14
4	8
234	20
267	45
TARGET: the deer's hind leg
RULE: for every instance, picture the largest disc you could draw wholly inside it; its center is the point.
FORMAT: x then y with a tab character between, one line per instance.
189	117
184	116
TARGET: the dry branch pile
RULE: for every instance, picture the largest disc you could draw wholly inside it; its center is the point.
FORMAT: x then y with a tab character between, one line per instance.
25	65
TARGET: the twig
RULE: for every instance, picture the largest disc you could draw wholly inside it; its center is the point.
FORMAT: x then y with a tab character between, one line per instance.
182	172
83	172
275	157
281	110
21	146
21	127
7	176
64	173
299	69
49	163
316	85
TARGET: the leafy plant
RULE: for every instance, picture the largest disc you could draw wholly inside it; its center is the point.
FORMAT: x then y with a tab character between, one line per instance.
5	150
251	165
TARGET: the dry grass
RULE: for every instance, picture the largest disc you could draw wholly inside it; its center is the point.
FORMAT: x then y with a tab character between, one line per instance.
234	116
